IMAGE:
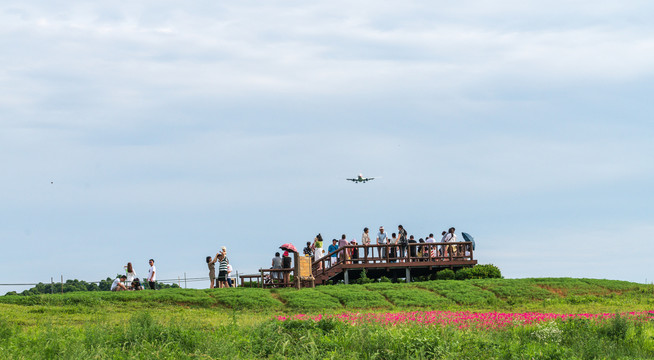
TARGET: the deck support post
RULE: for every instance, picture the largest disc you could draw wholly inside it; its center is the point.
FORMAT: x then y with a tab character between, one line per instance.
346	276
408	275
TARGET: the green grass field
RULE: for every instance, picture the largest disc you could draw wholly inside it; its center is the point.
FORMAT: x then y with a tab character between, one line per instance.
240	323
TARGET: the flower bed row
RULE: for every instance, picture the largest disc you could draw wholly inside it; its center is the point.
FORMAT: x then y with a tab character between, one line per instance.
460	319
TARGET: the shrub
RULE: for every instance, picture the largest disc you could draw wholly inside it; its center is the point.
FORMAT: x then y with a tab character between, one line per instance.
464	274
384	279
445	274
364	279
488	271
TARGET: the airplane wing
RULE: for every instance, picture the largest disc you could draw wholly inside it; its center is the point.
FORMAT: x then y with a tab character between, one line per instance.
355	180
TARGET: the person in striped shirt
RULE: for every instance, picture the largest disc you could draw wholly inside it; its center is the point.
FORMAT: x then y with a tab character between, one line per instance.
222	271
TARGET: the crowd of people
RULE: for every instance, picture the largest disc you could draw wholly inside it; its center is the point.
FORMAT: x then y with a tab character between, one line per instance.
404	247
130	281
224	269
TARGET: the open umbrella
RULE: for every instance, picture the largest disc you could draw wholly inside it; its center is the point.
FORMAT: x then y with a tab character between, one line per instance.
467	237
289	247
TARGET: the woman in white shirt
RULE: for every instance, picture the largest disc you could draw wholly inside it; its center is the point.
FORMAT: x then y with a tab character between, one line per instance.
131	275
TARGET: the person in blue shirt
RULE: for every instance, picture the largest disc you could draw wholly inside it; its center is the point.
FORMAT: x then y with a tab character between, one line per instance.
333	247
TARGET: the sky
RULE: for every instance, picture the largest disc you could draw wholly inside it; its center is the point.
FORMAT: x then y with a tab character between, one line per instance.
165	130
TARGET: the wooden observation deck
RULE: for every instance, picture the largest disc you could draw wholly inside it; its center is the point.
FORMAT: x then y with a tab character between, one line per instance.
419	259
349	262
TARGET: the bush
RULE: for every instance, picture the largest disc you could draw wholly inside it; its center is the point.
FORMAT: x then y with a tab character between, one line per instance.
364	279
488	271
445	274
464	274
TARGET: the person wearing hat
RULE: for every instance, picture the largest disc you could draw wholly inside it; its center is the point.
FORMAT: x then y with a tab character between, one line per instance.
333	247
381	240
286	264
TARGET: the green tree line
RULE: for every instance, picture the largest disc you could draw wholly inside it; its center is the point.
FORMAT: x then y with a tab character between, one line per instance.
79	285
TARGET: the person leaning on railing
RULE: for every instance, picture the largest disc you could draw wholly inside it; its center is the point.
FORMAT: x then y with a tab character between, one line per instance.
365	241
381	240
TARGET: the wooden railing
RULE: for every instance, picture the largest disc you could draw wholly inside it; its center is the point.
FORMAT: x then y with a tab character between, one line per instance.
385	255
271	281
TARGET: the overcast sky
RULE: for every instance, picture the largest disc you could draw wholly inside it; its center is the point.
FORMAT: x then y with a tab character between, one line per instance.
165	130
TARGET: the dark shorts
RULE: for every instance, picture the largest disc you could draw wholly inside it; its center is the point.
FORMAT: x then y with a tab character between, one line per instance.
222	276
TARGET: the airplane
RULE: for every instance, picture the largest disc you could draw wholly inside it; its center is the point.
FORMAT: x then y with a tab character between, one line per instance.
361	179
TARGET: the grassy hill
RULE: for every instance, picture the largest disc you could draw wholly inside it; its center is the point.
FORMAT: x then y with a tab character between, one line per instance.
499	294
241	322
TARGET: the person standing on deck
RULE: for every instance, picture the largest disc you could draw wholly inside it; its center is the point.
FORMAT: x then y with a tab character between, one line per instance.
318	251
152	275
365	241
392	250
432	251
345	254
330	249
441	250
355	252
286	264
307	250
450	237
402	240
276	264
412	253
381	240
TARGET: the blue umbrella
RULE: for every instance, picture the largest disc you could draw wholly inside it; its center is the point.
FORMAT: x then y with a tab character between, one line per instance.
467	237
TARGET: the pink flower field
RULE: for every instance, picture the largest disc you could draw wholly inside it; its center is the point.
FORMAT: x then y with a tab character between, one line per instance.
461	319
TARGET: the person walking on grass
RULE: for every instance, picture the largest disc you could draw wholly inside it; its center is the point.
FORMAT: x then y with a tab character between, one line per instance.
152	275
211	263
